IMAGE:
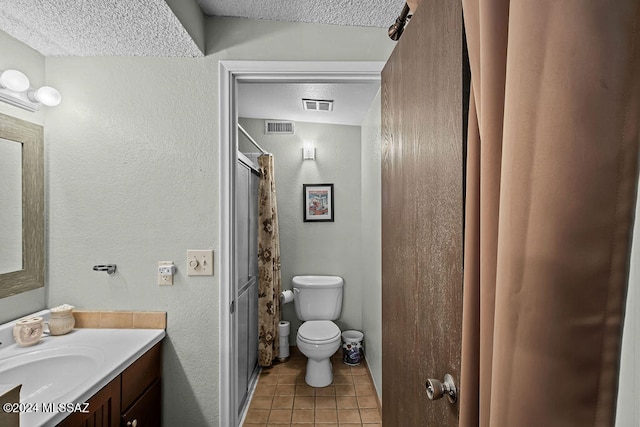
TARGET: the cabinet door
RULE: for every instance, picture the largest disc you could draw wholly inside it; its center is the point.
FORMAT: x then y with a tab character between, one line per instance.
104	409
144	412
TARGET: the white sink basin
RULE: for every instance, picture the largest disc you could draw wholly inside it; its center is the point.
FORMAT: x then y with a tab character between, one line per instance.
48	374
68	368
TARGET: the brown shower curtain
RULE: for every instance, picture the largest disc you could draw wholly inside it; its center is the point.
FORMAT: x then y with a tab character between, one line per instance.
551	188
269	287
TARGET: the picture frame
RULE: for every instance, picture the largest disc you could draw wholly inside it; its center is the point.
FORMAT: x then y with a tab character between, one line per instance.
317	202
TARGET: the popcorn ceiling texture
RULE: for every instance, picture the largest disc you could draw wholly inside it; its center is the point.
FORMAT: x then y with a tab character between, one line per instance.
371	13
97	28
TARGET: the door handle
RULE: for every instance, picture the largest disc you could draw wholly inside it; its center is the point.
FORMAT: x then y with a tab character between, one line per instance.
437	389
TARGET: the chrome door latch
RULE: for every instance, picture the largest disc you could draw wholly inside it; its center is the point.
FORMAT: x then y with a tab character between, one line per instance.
436	389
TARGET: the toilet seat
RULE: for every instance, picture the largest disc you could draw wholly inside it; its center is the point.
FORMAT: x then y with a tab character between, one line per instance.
318	331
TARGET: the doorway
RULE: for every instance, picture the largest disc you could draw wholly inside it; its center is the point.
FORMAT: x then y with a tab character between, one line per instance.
231	73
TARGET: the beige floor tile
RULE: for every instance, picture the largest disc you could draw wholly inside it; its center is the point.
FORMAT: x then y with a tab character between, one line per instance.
300	362
364	390
257	416
282	398
265	389
287	378
326	416
340	367
305	390
367	402
342	378
303	416
291	369
280	416
325	402
326	391
285	390
304	402
370	416
268	378
282	402
361	379
358	370
275	369
345	390
346	402
348	416
261	402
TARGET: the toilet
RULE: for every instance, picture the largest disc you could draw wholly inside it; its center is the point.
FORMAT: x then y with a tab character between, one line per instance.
318	301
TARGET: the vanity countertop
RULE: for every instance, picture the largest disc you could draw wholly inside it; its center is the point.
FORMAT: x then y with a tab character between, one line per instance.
106	353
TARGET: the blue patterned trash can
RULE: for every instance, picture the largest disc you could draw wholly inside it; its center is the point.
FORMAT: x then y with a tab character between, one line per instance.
352	351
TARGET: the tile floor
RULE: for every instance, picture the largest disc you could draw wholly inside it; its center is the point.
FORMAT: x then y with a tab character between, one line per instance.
282	398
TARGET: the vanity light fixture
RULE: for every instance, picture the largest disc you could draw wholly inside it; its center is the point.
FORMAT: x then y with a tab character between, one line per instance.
15	90
14	80
46	95
308	150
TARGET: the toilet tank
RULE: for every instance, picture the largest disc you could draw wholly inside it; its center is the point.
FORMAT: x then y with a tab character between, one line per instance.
317	297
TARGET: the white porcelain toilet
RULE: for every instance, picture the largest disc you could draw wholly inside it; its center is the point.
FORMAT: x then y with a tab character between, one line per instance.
318	301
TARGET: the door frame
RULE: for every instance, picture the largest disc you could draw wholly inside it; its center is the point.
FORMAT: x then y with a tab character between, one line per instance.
231	72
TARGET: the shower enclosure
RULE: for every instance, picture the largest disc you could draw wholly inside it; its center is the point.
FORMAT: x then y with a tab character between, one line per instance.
245	292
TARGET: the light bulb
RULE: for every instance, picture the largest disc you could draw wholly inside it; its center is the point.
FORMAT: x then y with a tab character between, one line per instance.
14	80
46	95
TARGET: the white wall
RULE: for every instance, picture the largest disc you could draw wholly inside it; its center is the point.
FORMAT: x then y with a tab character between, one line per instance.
132	161
327	248
16	55
628	411
371	231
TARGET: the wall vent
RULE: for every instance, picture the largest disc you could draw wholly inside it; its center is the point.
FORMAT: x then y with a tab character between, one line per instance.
274	126
317	104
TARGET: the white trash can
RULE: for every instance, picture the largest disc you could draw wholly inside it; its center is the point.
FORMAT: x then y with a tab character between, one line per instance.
352	351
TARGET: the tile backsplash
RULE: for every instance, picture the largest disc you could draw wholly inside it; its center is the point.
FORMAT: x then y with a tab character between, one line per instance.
120	319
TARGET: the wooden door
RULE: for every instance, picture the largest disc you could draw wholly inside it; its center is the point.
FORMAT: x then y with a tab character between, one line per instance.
422	215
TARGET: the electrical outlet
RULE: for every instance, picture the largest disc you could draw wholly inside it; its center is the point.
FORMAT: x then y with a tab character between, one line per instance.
166	271
200	262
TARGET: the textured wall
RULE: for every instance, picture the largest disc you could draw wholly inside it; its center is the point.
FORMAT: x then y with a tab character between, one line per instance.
327	248
371	241
132	161
16	55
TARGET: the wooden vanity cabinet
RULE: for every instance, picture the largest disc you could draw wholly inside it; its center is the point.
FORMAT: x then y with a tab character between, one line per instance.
132	399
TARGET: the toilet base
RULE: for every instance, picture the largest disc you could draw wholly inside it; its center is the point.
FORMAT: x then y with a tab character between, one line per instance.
319	373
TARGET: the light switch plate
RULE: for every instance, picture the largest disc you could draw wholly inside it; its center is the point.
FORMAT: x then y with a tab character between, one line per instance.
165	276
200	262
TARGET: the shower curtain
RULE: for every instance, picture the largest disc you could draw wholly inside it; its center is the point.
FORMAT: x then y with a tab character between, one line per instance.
551	187
269	286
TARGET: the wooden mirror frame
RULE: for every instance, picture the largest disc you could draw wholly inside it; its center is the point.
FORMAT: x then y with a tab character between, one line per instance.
31	137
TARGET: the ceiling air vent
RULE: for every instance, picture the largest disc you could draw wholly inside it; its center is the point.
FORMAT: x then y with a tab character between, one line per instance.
317	104
273	126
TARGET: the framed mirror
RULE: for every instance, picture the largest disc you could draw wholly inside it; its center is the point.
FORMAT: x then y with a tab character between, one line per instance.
21	206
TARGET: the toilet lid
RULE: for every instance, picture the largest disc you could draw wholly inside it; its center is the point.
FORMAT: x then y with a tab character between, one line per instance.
319	330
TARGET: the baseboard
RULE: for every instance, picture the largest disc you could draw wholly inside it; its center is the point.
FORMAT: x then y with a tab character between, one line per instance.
374	386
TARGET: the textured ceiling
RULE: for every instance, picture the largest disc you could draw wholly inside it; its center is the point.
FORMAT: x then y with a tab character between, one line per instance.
97	27
283	101
367	13
150	28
